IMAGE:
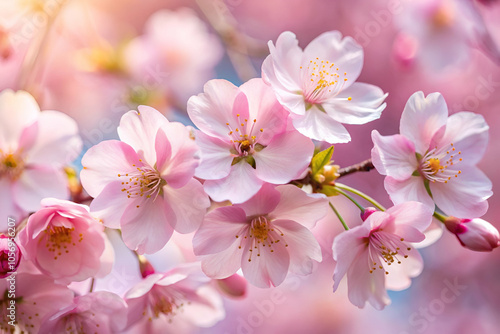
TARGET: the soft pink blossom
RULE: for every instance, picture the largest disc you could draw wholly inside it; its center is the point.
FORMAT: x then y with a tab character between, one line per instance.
244	140
99	312
176	51
10	256
173	301
377	255
34	296
267	236
66	242
317	85
144	184
434	158
475	234
34	146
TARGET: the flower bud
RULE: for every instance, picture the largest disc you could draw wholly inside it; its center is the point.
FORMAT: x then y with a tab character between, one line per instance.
368	211
10	255
233	286
475	234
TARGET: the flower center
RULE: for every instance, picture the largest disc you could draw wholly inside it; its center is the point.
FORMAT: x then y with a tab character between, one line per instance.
442	17
11	165
161	302
59	239
385	248
144	181
322	81
244	139
436	164
260	233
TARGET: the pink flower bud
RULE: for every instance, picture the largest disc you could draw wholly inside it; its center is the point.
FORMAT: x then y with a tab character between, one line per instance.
233	286
10	255
475	234
368	211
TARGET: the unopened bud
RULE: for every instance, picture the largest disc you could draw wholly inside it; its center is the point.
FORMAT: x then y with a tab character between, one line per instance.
233	286
475	234
10	255
367	212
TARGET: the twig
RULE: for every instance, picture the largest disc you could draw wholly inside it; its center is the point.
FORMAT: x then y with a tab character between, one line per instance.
364	166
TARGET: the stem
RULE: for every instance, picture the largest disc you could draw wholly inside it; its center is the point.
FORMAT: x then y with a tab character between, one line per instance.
439	216
351	199
339	217
360	194
364	166
92	285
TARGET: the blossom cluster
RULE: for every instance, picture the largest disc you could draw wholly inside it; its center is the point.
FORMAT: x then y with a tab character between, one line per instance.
247	185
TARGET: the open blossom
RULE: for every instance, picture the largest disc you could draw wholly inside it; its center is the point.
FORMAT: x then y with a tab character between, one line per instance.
65	242
475	234
99	312
266	237
244	140
434	158
144	184
10	256
173	301
35	297
34	146
377	255
317	85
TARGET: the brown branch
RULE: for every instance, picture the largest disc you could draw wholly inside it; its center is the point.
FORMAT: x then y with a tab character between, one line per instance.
364	166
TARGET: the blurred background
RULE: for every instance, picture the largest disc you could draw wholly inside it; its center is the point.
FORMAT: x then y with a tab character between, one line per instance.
97	59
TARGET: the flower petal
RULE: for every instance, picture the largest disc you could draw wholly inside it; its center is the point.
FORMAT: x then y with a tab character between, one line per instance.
261	203
413	214
239	186
318	125
411	189
422	117
224	263
109	206
399	277
285	158
393	155
216	158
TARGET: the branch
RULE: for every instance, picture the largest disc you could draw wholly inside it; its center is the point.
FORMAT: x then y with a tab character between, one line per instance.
364	166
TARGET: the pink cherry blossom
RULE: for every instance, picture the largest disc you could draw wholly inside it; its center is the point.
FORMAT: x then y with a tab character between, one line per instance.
99	312
475	234
10	256
173	301
34	146
144	184
266	237
317	85
65	242
377	255
34	296
434	158
244	140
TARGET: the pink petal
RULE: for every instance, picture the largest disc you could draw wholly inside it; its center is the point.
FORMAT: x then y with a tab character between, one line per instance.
17	111
296	205
261	203
399	277
146	228
57	140
317	125
411	189
67	264
469	134
224	263
162	148
413	214
422	117
211	110
37	183
219	230
345	53
285	158
464	196
268	269
303	248
189	204
360	103
347	246
103	162
393	155
138	129
8	206
109	206
215	157
239	186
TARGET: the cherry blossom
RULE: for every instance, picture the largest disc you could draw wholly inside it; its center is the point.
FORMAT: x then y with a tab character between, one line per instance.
173	301
144	184
475	234
65	242
378	254
317	85
434	158
10	256
244	140
266	237
98	312
34	146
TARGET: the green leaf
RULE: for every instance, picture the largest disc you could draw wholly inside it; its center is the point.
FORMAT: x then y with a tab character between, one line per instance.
320	160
